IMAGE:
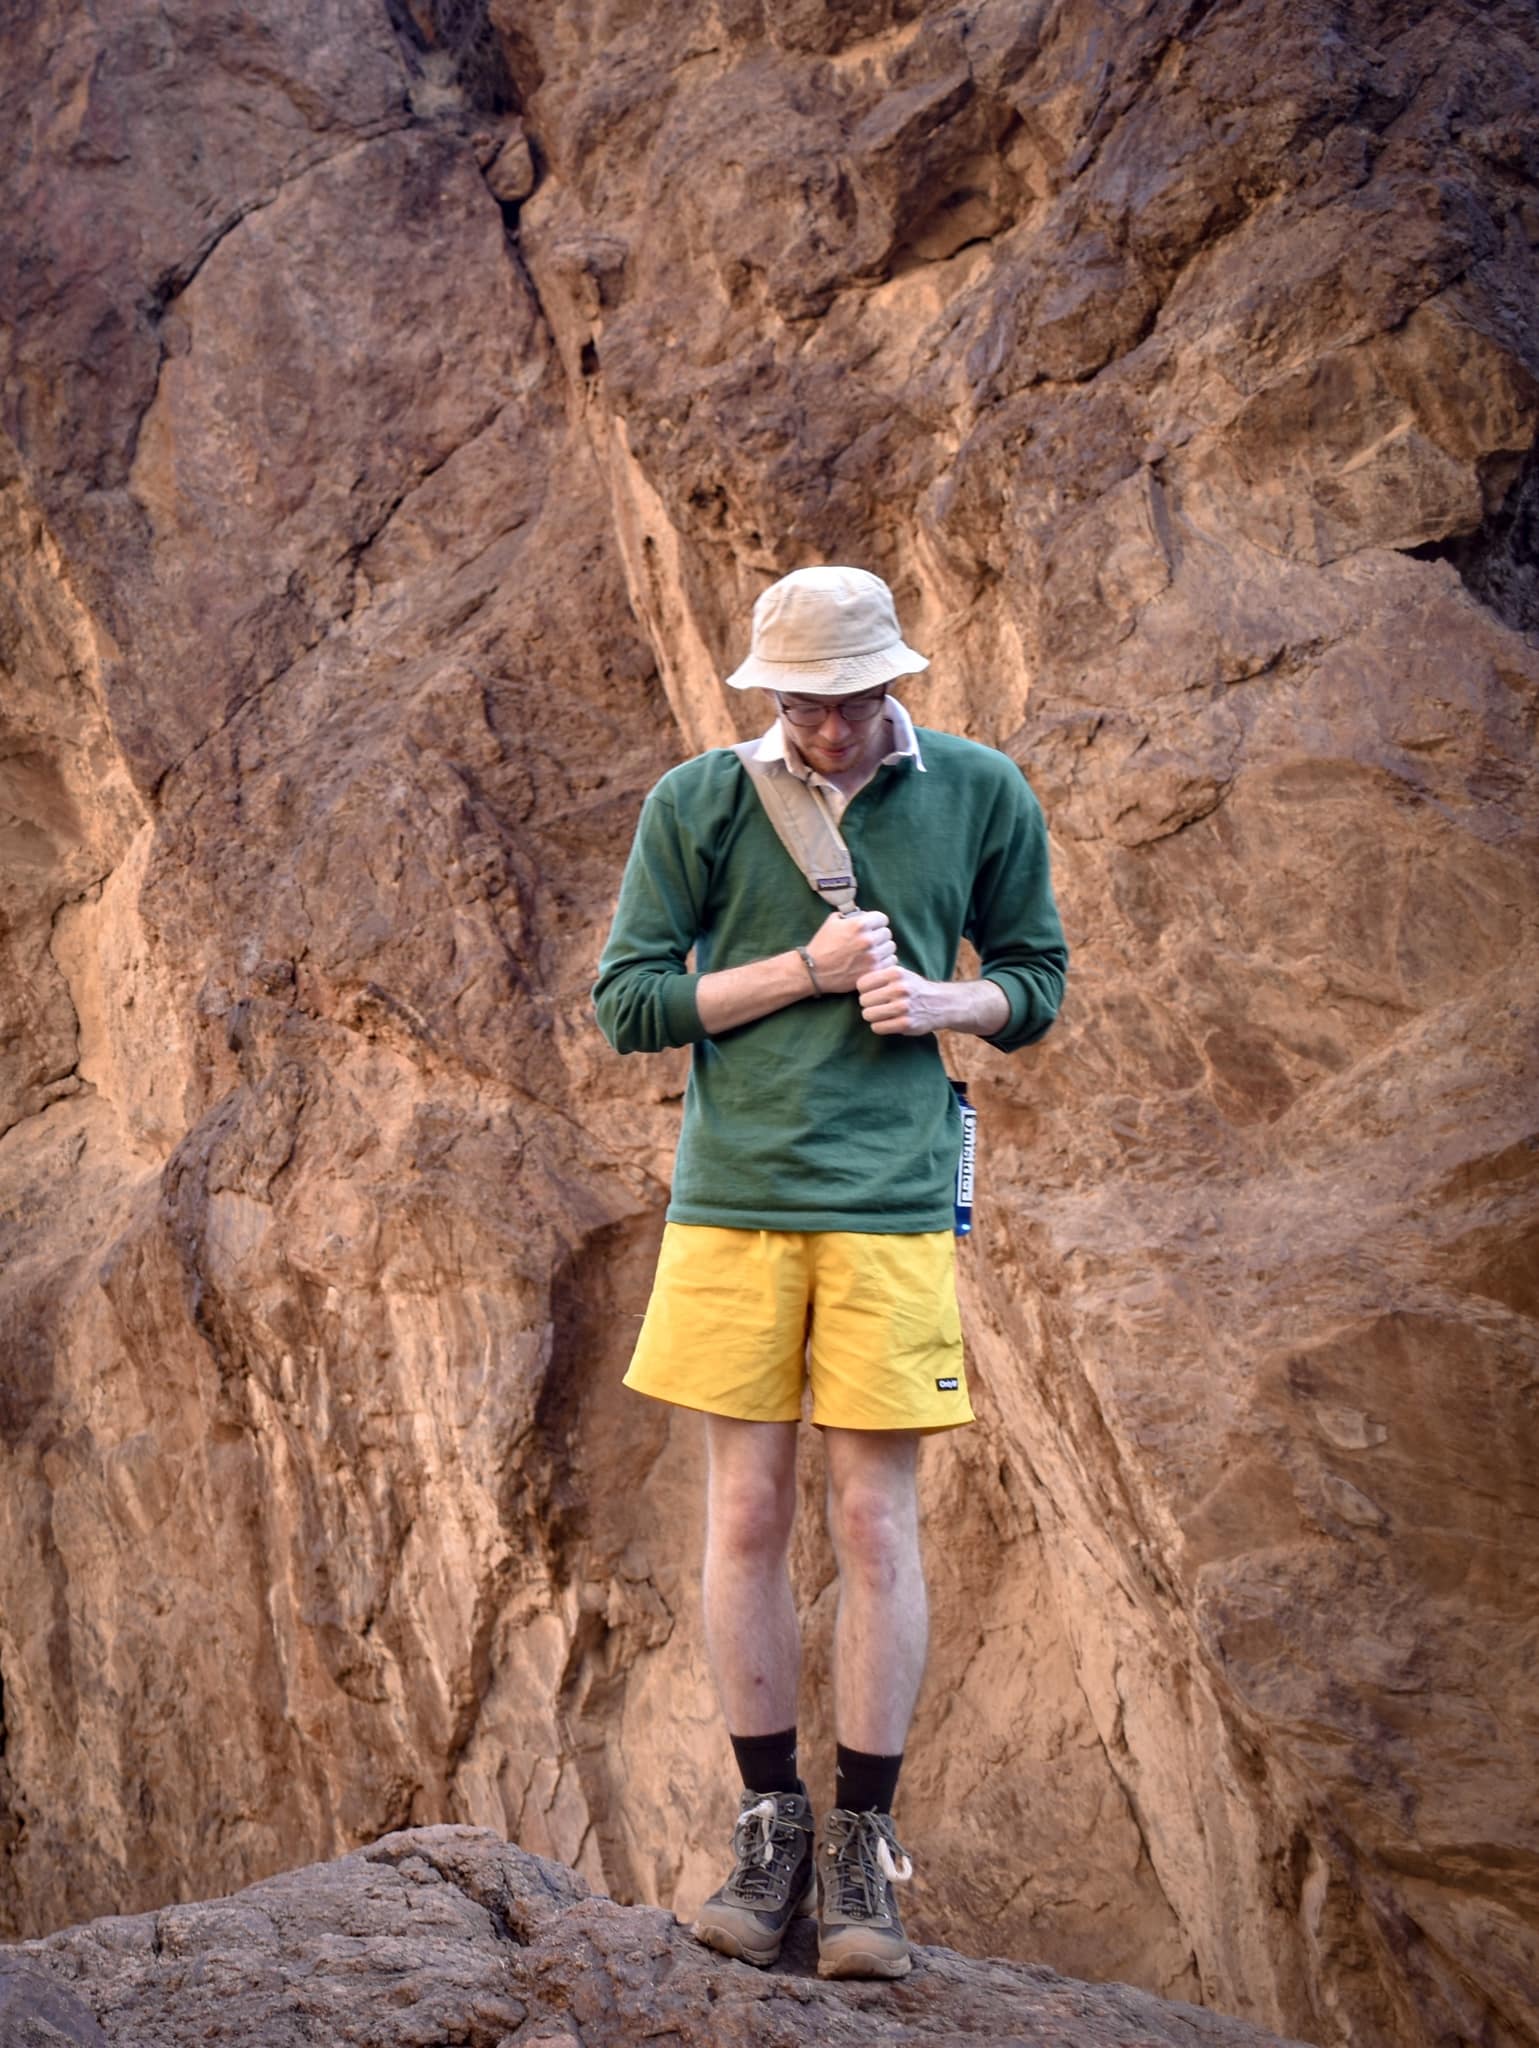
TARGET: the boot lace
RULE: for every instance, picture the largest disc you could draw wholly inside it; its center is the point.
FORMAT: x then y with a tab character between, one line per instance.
864	1858
765	1844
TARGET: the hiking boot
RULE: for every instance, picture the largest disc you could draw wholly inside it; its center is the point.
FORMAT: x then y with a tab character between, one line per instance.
772	1879
859	1932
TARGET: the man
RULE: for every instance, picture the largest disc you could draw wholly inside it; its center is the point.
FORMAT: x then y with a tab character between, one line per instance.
810	1230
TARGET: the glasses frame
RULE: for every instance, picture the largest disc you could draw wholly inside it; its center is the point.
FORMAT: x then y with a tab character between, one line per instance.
810	716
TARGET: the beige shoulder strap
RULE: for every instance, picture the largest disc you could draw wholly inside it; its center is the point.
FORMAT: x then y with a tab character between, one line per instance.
805	827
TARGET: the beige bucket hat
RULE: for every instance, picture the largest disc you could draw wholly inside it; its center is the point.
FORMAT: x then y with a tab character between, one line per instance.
823	633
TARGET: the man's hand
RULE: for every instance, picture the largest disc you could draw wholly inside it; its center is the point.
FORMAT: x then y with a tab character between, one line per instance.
844	949
899	1004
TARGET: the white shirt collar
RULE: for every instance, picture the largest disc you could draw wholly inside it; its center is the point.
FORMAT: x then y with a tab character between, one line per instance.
905	744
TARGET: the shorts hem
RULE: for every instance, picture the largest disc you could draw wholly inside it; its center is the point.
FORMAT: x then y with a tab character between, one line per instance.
706	1407
896	1428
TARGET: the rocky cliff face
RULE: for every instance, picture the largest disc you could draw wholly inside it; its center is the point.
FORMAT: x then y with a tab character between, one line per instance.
401	411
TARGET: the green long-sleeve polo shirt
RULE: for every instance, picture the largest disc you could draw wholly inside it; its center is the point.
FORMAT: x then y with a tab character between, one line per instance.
807	1119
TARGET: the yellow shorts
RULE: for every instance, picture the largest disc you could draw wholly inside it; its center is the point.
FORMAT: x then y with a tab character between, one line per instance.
739	1318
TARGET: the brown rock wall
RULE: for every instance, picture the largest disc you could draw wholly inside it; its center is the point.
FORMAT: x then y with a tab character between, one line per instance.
397	426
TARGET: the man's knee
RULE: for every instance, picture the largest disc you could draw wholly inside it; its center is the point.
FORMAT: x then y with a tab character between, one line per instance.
875	1531
751	1513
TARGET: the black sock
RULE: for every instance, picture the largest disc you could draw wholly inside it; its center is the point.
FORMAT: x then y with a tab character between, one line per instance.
767	1762
865	1784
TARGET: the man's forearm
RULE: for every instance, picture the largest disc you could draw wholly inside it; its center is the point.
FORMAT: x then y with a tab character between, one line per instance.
981	1007
737	995
845	946
892	1000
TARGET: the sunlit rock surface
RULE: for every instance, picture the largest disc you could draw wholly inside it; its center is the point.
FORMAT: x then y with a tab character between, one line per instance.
395	433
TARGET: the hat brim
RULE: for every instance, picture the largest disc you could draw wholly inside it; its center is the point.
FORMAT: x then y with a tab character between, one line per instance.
833	678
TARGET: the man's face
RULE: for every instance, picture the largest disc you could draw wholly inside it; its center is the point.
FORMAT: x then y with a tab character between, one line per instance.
837	734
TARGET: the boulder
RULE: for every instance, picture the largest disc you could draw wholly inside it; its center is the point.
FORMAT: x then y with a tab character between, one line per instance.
451	1934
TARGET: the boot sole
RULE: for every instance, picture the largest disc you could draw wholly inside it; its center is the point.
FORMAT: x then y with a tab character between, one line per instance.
727	1942
857	1962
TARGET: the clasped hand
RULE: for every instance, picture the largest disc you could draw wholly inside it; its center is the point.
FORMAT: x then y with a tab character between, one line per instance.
844	948
901	1004
857	953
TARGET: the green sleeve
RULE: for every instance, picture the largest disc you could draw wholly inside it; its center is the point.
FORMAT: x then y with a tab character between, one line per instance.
645	995
1013	920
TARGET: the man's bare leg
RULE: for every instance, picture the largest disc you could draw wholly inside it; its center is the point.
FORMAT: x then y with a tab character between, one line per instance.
880	1638
751	1630
882	1631
755	1651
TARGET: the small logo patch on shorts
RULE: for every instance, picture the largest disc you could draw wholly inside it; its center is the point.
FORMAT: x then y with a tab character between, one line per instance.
946	1386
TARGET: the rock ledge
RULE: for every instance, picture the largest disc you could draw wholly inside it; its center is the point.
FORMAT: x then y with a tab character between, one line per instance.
450	1935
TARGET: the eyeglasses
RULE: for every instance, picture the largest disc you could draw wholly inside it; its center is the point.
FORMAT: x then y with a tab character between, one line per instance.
853	710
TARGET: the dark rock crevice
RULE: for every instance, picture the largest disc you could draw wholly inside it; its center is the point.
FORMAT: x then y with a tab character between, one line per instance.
453	43
1499	562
